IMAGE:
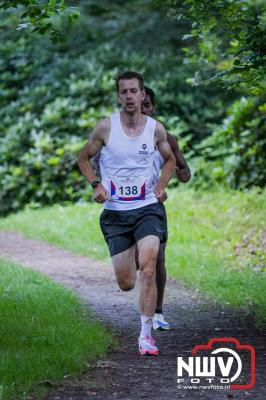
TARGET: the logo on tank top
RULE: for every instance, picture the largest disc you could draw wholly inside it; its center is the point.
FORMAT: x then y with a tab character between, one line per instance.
144	151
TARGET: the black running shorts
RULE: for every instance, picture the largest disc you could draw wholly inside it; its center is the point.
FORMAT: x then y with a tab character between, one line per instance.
122	229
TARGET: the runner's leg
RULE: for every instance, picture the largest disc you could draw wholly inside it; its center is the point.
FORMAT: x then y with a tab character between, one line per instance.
159	323
137	258
148	248
160	277
125	268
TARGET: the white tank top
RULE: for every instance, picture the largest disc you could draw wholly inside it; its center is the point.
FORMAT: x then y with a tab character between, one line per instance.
126	165
158	163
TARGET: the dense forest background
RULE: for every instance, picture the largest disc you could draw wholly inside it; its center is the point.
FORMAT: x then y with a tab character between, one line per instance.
205	60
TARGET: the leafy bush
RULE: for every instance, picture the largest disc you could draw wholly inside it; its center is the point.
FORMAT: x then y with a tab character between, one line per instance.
41	16
230	41
233	154
51	97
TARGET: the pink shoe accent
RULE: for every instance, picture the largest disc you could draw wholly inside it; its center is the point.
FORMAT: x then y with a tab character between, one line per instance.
147	346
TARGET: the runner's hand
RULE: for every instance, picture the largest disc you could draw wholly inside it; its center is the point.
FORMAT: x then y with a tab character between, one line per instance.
159	192
183	174
164	197
100	194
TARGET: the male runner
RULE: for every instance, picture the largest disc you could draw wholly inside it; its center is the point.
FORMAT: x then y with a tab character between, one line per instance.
183	174
132	216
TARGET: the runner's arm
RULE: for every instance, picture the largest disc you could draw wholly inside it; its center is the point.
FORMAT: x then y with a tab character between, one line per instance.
169	159
183	172
96	141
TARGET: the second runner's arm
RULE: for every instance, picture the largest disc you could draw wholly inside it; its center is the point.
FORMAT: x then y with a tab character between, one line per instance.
169	160
183	172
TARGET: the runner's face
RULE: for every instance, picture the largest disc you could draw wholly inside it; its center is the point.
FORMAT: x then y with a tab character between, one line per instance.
130	95
147	107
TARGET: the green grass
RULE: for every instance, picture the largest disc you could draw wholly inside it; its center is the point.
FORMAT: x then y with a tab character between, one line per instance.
204	230
45	330
73	227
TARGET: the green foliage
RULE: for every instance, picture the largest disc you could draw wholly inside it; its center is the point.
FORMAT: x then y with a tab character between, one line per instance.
39	144
233	154
231	40
226	44
51	97
42	16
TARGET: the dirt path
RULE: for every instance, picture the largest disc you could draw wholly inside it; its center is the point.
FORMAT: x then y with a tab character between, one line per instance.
124	375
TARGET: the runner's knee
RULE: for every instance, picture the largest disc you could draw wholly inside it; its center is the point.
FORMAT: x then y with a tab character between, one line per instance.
148	275
148	260
126	285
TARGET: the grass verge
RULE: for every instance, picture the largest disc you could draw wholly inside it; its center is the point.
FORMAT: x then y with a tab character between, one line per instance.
46	332
215	240
215	245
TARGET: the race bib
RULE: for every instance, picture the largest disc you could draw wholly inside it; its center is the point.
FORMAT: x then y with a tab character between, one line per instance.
128	188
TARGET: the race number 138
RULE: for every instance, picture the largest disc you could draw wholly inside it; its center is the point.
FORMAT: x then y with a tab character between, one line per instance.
128	190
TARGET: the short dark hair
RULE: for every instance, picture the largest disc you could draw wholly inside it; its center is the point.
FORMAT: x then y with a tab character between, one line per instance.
150	93
129	75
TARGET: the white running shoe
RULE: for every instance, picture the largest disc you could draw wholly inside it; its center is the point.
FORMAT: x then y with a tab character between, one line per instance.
159	323
147	347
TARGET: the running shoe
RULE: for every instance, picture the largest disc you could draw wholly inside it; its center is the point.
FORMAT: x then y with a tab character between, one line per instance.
159	323
147	346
